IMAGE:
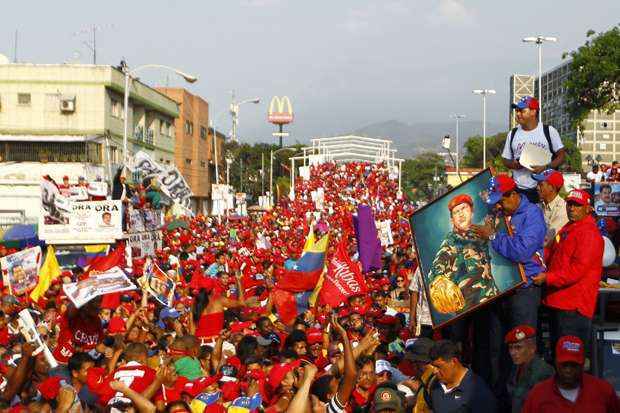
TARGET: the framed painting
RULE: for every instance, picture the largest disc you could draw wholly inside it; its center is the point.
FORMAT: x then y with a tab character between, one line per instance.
460	271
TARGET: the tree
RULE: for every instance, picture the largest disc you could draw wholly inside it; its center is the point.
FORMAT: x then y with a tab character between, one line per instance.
495	147
594	78
419	174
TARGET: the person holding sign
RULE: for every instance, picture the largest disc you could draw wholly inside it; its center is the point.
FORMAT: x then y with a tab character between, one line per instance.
530	132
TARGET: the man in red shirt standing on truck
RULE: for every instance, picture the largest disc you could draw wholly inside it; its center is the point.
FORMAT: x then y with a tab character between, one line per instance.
574	271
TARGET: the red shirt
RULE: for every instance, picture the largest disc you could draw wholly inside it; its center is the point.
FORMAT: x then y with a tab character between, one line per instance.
134	375
77	332
595	396
575	267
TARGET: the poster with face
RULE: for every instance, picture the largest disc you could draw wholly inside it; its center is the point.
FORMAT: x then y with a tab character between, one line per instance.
112	281
20	271
607	199
157	283
460	271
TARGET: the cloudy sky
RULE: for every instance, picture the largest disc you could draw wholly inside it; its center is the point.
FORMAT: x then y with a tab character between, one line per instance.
344	63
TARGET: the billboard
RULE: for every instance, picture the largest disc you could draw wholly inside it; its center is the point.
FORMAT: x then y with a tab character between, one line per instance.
280	110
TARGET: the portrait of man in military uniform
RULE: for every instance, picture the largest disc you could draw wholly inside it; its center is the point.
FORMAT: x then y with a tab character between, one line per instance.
460	275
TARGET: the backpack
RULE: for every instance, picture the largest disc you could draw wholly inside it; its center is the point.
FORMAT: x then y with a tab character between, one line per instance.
513	132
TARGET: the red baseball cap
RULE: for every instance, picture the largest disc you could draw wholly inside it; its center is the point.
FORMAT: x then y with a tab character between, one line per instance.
550	175
520	333
498	186
579	196
569	349
526	102
314	336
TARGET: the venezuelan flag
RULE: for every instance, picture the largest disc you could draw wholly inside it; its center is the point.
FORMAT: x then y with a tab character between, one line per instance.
304	274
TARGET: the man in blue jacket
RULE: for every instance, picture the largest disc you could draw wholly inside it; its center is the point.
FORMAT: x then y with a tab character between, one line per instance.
523	246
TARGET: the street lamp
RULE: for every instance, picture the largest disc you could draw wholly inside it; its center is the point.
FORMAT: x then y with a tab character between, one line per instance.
288	148
484	93
131	74
234	112
229	161
457	117
215	153
539	40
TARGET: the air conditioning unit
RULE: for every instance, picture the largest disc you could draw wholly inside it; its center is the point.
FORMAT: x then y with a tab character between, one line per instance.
67	104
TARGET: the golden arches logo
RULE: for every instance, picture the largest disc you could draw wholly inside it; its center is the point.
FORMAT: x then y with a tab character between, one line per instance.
280	110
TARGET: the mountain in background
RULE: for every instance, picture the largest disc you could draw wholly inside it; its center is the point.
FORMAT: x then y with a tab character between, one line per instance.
413	139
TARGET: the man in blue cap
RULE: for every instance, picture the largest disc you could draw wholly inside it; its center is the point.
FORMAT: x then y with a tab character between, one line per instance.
524	246
530	131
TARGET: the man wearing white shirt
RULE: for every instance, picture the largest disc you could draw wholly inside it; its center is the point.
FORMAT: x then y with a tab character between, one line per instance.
530	131
595	175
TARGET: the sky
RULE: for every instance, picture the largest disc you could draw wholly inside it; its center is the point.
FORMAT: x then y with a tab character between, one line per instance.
344	64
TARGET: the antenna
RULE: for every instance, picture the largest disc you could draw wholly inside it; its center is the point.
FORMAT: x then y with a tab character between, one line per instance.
92	31
15	47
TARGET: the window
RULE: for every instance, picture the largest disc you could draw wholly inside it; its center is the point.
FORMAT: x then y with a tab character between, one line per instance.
23	99
163	130
189	128
188	161
203	132
19	151
203	164
117	109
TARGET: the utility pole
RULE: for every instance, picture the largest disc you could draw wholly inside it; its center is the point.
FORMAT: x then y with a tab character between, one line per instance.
15	47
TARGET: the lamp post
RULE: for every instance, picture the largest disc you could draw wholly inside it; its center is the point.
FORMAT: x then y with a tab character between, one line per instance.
539	40
130	74
234	112
288	148
229	161
215	150
457	117
484	93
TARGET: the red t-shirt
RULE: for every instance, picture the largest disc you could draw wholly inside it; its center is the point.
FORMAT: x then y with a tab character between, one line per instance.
134	375
77	332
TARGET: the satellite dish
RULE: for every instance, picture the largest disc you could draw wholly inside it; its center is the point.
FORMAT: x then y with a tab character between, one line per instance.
4	60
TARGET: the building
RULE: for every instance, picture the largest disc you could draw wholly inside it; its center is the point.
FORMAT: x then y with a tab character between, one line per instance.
520	86
66	119
194	151
599	136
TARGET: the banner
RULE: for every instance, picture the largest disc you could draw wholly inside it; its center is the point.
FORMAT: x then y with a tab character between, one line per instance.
112	281
66	221
385	232
368	244
20	271
144	244
172	182
219	192
157	283
343	279
607	199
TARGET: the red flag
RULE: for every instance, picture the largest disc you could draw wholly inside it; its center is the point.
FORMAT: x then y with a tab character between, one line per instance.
103	263
343	279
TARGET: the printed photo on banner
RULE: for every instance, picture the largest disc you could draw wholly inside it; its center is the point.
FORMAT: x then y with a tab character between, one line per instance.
111	281
158	284
55	208
20	271
88	221
460	271
607	199
144	244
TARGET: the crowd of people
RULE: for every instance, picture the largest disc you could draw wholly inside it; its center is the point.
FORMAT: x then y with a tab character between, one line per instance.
223	345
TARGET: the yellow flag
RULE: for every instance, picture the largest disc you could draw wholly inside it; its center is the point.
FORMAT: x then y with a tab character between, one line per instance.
50	270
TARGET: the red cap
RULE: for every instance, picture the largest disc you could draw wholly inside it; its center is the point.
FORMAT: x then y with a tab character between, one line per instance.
498	186
569	349
579	196
520	333
314	336
279	371
116	325
460	199
551	176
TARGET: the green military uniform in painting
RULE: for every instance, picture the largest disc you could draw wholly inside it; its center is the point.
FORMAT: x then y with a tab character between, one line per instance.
465	260
524	378
460	276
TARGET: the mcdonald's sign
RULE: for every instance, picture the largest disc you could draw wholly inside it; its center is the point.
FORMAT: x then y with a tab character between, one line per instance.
280	110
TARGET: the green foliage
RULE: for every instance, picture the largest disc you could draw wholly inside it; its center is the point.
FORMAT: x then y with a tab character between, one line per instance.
282	186
573	156
495	147
245	171
418	176
594	79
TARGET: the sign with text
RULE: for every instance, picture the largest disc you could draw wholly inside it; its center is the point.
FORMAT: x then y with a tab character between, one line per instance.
170	178
112	281
144	244
20	271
